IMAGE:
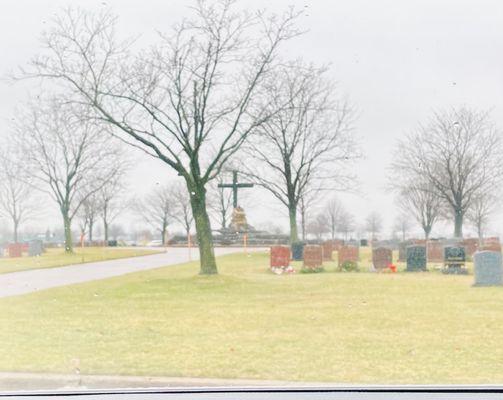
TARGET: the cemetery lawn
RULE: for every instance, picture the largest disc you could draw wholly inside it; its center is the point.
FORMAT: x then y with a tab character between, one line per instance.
410	328
56	257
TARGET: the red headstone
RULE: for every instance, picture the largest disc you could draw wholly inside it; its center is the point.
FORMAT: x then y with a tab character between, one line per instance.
348	253
15	250
382	257
313	256
435	251
280	256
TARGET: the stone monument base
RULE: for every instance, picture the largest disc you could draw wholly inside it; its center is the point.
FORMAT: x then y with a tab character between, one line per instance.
455	270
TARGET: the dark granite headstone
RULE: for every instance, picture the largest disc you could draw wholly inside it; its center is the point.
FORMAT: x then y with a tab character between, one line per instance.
416	258
488	268
35	248
454	260
297	251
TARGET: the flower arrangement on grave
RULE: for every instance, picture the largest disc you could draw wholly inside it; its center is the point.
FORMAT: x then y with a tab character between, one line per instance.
312	270
349	266
283	270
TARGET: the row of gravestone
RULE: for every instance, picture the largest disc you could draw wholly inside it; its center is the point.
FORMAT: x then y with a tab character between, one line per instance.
312	255
435	248
33	248
488	267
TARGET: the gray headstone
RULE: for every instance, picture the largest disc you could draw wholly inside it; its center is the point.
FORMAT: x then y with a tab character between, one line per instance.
488	269
35	248
416	258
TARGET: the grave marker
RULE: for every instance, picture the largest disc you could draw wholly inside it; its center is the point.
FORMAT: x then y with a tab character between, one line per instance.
347	253
297	251
454	260
488	268
280	256
35	248
15	250
313	256
382	257
435	251
416	258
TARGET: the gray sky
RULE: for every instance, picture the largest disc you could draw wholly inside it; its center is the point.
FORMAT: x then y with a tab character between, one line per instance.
396	60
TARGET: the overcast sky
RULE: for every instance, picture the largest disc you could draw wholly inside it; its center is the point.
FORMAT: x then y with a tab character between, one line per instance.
395	60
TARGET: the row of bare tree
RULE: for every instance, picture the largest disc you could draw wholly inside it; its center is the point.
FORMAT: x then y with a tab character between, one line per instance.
451	167
215	86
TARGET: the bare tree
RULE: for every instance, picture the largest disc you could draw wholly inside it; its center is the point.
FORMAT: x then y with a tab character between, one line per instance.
318	227
402	225
88	214
156	209
479	213
65	155
185	101
346	224
17	201
111	198
459	152
307	144
373	224
181	210
419	199
333	211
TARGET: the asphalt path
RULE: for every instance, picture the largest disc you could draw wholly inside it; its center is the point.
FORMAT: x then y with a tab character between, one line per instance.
22	282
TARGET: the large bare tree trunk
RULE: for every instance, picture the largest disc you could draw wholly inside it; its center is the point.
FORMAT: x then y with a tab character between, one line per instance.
67	223
203	231
91	223
294	234
105	230
16	228
458	224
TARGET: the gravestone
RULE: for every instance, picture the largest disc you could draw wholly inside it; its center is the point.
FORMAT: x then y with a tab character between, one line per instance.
328	248
488	268
15	250
297	251
416	258
435	251
454	260
382	257
35	248
313	256
280	256
347	253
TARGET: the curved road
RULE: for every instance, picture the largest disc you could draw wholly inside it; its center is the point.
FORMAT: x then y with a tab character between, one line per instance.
17	283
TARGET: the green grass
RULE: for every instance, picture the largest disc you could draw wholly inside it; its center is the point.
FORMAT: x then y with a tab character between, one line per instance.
58	258
248	323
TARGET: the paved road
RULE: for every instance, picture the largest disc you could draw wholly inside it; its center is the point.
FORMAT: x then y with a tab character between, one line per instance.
17	283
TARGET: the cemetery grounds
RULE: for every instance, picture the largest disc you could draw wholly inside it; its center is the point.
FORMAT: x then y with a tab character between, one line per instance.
339	327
